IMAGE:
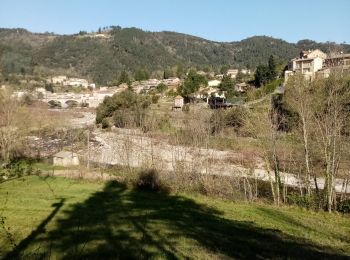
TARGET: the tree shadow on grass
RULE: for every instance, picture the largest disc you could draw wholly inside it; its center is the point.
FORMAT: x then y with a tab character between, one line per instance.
39	230
120	223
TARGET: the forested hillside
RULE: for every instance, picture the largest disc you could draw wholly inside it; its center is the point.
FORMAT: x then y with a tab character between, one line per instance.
102	59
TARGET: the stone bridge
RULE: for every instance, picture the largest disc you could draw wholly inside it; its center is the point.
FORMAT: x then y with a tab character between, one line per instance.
65	102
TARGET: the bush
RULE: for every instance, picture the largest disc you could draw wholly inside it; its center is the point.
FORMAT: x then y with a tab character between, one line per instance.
235	117
344	206
303	201
125	102
105	123
148	180
161	88
155	99
17	168
119	119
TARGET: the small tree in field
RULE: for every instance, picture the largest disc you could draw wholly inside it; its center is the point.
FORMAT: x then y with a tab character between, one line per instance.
192	84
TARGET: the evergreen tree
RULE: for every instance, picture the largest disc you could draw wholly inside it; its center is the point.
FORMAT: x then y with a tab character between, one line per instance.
124	78
141	74
262	75
192	83
272	68
228	85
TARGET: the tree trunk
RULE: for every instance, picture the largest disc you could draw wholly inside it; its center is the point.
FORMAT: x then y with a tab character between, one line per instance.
307	159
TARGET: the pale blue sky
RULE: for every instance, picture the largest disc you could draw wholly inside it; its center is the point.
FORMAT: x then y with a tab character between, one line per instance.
219	20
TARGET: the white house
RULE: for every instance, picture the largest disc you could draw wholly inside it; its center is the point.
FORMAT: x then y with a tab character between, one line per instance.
232	73
178	102
214	83
58	79
75	82
245	71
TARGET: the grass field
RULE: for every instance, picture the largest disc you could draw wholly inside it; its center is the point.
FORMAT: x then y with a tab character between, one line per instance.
63	218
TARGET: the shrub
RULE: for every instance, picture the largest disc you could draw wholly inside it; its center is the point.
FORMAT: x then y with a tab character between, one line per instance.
235	117
155	99
17	168
344	206
119	119
161	88
301	200
28	99
124	102
171	93
148	180
105	123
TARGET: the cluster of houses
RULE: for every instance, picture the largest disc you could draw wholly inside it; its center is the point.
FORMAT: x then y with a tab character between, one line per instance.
96	96
315	63
72	82
145	86
230	72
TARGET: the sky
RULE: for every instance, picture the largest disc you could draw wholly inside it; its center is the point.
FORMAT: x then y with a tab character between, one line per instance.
217	20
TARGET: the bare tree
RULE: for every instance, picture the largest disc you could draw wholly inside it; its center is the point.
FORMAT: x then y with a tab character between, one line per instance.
300	97
12	125
263	125
330	118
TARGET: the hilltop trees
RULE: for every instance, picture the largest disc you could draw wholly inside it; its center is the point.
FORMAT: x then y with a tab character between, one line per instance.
132	49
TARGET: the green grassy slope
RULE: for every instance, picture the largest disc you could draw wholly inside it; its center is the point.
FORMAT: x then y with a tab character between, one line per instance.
60	218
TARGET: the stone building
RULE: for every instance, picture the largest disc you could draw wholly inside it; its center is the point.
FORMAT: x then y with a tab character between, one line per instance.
65	158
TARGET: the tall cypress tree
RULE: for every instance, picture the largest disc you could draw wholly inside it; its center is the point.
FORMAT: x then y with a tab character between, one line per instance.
272	69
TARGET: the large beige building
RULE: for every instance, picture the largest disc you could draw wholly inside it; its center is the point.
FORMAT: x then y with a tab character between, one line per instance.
308	63
316	62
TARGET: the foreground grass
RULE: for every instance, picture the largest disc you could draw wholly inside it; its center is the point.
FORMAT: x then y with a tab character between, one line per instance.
61	218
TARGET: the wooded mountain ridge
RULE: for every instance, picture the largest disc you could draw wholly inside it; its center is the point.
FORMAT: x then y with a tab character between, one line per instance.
103	55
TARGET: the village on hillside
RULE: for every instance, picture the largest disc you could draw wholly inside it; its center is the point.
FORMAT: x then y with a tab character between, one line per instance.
78	92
